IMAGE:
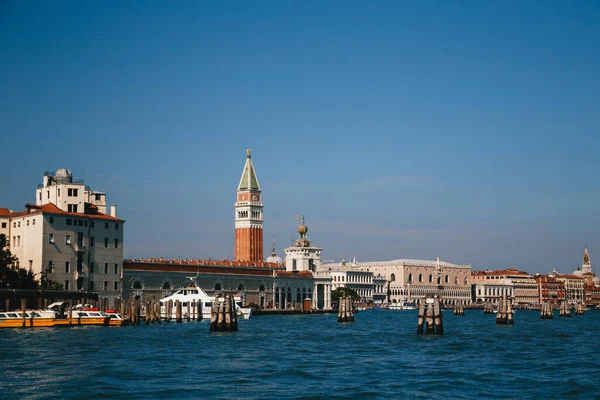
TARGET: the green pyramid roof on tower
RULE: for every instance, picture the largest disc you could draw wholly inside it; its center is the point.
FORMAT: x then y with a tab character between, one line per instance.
248	180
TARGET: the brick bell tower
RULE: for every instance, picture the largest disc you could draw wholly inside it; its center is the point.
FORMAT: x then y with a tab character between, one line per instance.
248	217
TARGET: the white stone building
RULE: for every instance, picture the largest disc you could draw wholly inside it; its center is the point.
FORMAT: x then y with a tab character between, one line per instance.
302	278
74	246
408	280
493	291
353	277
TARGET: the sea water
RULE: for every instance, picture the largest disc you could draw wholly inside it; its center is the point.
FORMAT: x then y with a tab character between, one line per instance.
309	356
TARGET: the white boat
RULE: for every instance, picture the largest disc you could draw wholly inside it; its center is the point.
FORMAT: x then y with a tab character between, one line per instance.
194	296
403	305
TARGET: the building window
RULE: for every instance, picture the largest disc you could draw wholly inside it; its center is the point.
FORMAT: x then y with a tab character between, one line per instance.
116	286
33	222
67	267
91	267
106	225
393	278
116	243
116	269
106	268
68	237
294	264
92	224
420	277
105	242
69	221
51	237
85	223
105	285
49	266
66	285
446	279
4	225
410	277
58	190
27	222
48	194
116	227
19	241
430	278
92	242
79	222
40	195
70	207
19	224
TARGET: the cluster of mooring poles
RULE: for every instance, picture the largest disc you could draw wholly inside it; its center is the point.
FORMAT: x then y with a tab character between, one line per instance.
459	309
152	312
504	316
579	309
546	311
223	316
564	310
430	316
345	311
488	308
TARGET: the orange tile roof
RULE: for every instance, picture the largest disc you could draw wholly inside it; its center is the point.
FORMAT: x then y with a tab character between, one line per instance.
225	263
5	212
288	274
50	208
569	276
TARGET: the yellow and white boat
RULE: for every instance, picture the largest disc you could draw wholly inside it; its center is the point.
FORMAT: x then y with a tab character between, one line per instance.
33	319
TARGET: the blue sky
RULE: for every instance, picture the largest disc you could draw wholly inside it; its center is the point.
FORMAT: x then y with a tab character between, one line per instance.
465	130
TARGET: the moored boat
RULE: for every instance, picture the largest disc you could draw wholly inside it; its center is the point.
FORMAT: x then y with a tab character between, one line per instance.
195	296
403	305
80	315
33	319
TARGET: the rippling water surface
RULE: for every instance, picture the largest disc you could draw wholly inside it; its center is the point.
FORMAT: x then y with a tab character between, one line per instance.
312	356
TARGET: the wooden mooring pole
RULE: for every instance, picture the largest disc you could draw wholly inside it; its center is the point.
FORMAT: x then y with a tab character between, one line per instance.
430	316
223	316
345	311
546	311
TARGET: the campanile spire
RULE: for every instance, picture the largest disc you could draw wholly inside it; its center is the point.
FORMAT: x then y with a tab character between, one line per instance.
248	216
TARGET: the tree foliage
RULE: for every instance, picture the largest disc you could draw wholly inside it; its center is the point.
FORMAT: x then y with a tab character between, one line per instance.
344	292
11	276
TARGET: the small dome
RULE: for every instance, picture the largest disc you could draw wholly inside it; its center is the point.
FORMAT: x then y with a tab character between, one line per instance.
303	229
63	173
275	259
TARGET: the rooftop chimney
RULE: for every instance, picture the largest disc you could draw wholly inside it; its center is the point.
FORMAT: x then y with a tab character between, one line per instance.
113	210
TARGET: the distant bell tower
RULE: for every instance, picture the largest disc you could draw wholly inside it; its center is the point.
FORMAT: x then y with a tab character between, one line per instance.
586	266
248	216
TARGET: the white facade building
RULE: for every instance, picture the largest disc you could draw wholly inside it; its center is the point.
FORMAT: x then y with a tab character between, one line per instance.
493	291
302	278
75	250
352	277
408	280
